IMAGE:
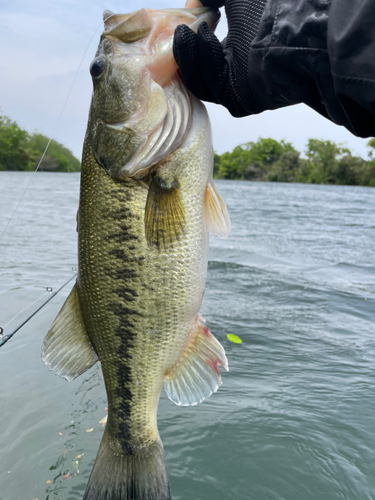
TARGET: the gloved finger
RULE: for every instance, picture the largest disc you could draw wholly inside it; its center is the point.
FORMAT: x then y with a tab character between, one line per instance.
185	52
212	62
219	71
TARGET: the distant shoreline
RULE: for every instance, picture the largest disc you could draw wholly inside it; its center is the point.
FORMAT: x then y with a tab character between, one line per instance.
215	179
325	162
265	160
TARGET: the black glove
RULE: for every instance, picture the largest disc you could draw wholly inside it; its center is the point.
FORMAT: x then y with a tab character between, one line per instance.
218	72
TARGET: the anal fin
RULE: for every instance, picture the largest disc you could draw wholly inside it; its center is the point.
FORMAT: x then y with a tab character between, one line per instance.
67	349
196	375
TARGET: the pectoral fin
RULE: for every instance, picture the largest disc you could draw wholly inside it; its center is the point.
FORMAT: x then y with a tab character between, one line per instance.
67	349
164	213
196	375
216	213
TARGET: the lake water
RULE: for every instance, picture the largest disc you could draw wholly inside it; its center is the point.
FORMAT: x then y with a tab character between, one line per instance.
295	417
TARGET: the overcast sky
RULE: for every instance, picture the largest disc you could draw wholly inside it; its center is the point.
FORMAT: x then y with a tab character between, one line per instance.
42	44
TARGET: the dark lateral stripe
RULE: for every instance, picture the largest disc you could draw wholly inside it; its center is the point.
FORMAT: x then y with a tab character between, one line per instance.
122	235
124	242
126	274
123	311
126	334
120	254
126	293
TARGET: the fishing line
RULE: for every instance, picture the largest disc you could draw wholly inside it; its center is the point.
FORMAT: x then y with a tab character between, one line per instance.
54	129
4	338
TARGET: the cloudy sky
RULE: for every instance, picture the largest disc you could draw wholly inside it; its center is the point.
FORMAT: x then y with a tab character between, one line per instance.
47	45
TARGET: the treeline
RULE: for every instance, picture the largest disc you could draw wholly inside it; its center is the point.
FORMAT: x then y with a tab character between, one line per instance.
325	162
20	150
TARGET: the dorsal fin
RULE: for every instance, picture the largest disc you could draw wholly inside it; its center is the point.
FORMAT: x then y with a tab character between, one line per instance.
216	213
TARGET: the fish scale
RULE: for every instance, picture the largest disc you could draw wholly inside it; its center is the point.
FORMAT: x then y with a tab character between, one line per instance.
160	288
112	320
143	222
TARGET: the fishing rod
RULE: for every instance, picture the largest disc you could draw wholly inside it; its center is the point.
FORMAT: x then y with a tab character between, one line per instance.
4	338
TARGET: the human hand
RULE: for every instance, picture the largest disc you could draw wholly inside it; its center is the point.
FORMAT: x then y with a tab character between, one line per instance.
218	72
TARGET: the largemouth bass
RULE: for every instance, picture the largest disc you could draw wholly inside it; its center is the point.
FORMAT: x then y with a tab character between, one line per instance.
147	201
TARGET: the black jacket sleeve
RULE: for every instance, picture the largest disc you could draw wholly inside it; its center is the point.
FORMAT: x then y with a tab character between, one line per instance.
317	52
321	53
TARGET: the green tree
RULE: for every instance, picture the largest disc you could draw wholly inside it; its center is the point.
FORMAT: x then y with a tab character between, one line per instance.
351	170
370	174
371	145
22	151
227	169
216	165
58	157
286	168
252	160
13	145
266	152
270	160
323	157
232	165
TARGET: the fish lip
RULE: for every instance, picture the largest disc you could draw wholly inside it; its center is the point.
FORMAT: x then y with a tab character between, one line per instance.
205	14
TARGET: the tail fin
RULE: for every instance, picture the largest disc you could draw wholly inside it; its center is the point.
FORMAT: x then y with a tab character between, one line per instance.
141	475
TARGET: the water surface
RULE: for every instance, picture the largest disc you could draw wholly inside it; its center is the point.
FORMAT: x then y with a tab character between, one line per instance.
295	418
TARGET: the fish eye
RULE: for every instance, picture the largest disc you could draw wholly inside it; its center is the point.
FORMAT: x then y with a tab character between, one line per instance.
97	67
